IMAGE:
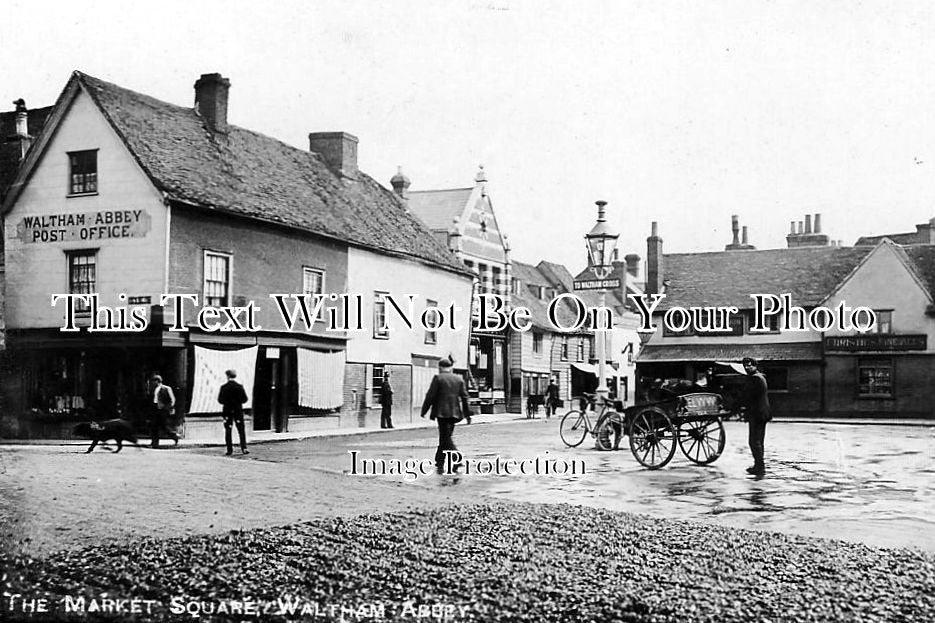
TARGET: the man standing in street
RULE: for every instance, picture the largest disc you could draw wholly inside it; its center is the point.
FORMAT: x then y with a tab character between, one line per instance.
386	402
232	396
758	414
551	397
448	400
163	401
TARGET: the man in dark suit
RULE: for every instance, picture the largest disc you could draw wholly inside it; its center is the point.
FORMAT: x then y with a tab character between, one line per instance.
447	399
756	402
386	402
163	404
232	396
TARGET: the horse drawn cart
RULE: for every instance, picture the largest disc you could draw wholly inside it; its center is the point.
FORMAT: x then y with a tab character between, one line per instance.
690	420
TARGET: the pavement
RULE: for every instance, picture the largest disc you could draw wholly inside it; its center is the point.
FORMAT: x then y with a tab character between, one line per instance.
216	438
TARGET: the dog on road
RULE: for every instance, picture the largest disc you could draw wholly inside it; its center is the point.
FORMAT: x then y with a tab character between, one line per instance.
118	430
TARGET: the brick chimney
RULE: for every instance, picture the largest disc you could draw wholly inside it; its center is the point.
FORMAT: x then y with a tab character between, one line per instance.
400	184
338	149
738	243
807	235
654	262
633	264
211	100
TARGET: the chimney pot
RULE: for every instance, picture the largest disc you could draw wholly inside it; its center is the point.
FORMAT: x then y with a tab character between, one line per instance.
744	234
792	227
655	269
633	262
735	228
808	223
211	93
801	227
817	223
338	149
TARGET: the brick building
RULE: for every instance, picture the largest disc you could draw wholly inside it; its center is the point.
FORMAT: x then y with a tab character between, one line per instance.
128	197
887	371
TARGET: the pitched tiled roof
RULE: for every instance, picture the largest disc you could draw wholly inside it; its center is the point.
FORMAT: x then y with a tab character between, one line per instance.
438	208
725	278
530	275
792	351
922	260
258	177
907	238
557	275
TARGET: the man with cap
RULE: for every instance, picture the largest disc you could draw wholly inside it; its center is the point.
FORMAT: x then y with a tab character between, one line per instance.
447	399
758	413
232	396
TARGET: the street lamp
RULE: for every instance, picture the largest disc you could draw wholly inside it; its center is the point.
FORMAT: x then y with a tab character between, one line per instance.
601	242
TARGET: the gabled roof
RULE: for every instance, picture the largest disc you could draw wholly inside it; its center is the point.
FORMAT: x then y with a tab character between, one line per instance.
250	175
922	260
529	275
726	278
557	275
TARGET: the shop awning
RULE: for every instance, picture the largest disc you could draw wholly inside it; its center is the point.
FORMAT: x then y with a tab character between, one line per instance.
321	378
210	366
592	369
790	351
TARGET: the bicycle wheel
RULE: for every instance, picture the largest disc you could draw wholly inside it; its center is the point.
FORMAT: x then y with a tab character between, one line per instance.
652	438
702	442
574	428
609	430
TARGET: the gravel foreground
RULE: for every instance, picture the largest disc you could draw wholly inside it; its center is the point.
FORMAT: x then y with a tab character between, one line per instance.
489	562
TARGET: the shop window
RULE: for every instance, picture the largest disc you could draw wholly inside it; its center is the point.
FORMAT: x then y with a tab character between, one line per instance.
380	332
875	378
82	275
376	383
564	353
82	167
537	343
217	279
313	283
777	379
431	337
884	321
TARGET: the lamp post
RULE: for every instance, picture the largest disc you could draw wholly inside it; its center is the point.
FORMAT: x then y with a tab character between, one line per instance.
601	242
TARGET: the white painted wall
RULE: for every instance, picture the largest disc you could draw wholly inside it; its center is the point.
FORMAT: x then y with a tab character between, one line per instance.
35	270
884	282
370	272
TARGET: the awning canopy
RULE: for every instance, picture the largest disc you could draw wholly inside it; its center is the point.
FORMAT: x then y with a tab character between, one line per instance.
210	367
592	369
790	351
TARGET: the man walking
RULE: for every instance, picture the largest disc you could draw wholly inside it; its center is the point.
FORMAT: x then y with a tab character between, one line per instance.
232	396
551	397
163	401
386	402
448	400
756	402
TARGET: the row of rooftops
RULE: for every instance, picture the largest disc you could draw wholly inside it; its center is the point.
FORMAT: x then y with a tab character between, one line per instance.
199	160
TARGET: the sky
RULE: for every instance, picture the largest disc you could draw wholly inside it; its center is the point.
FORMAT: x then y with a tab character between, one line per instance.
684	113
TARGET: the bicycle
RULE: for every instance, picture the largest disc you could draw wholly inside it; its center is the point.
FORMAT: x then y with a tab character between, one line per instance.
576	424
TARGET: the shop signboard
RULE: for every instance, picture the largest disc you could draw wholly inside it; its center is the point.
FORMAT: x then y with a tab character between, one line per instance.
875	342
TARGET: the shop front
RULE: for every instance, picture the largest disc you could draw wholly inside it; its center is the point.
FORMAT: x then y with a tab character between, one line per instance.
487	385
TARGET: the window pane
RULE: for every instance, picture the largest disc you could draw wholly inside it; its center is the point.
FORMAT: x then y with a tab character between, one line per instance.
83	171
217	280
82	275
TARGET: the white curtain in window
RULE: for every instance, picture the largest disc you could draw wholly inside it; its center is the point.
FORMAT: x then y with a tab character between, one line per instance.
210	366
321	379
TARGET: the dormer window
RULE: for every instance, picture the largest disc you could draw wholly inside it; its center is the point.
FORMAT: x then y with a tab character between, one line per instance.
517	287
82	166
542	293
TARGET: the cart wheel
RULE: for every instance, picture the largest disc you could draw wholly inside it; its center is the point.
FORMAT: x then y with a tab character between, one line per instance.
652	438
702	441
574	428
607	436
